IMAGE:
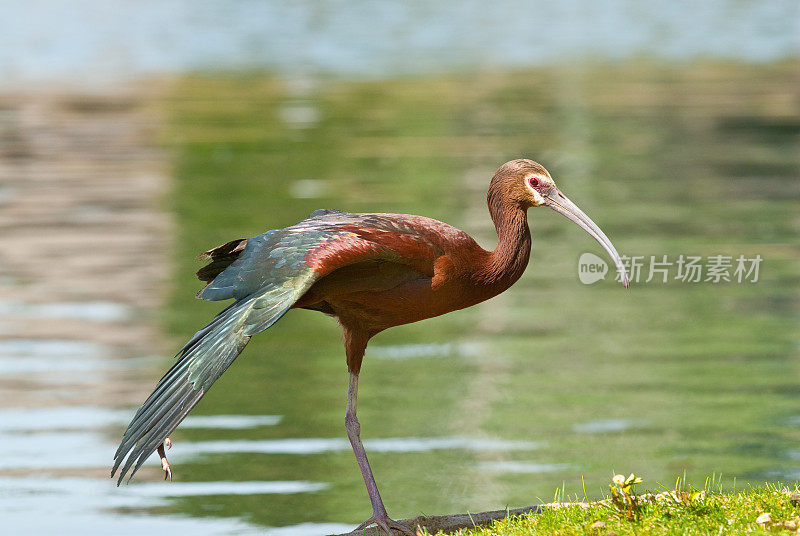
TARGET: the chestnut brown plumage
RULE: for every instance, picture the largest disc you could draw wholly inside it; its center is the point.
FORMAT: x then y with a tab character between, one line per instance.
371	272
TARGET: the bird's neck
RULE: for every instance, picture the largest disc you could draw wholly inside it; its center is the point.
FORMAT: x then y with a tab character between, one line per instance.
506	263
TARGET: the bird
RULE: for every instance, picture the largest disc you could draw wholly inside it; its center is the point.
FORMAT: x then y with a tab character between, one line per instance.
371	272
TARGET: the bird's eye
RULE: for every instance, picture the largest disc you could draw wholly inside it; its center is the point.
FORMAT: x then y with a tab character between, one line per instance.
534	182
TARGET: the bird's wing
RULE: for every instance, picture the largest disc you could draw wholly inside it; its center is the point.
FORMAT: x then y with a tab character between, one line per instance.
297	256
265	275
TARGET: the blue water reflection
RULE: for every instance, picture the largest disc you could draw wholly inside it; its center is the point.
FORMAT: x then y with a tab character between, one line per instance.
119	40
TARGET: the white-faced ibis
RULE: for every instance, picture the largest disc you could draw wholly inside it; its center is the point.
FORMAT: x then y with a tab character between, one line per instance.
370	272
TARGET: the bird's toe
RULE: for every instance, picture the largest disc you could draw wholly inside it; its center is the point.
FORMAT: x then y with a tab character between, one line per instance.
165	464
386	524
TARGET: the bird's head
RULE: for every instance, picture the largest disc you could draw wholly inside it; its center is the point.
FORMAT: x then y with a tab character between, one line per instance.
529	184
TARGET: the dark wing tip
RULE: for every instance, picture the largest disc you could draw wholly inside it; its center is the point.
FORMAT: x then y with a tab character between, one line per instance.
221	257
225	249
200	362
143	439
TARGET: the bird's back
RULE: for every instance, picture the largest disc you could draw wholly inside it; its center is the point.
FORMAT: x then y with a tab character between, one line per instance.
382	269
324	242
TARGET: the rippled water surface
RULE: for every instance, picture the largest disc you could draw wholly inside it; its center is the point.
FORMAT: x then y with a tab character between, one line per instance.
552	382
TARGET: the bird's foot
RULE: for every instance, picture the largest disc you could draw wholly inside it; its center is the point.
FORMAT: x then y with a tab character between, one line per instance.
164	463
385	523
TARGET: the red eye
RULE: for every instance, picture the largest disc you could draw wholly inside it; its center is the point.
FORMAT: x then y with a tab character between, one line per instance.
534	182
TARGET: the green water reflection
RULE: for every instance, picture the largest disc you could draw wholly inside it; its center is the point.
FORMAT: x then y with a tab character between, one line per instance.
663	379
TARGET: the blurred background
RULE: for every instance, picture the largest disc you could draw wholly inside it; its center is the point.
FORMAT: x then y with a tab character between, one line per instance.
134	135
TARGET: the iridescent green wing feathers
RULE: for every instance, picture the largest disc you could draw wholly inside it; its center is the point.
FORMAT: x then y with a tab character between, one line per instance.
264	275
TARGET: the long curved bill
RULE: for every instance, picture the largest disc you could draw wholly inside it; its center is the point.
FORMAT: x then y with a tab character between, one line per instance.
559	202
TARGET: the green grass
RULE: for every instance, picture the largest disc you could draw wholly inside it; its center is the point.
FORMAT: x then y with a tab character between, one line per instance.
712	510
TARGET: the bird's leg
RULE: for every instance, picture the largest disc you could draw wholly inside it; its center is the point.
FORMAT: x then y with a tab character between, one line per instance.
353	427
164	463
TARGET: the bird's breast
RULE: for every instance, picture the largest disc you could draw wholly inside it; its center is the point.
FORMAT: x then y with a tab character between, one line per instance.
406	303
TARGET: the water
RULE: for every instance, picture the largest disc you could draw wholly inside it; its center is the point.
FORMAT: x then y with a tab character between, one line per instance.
91	41
77	506
90	311
51	456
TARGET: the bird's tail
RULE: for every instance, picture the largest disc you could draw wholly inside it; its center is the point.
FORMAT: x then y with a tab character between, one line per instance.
200	362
